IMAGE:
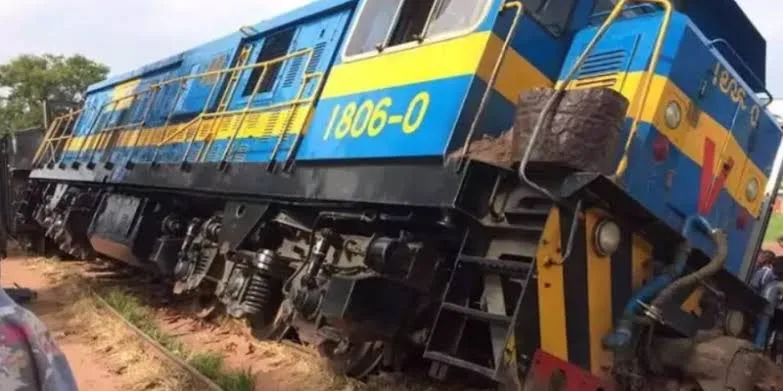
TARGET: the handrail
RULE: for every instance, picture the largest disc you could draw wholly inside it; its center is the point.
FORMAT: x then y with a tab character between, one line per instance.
250	99
648	7
712	45
305	80
298	139
100	126
493	77
225	103
650	75
204	115
237	68
55	133
561	88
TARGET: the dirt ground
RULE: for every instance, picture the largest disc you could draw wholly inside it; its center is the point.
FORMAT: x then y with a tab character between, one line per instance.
106	356
103	354
91	373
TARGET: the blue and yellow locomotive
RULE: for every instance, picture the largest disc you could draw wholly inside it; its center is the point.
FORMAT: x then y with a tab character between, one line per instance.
532	191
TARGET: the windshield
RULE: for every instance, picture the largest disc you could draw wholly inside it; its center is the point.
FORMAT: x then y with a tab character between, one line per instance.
388	23
606	6
554	15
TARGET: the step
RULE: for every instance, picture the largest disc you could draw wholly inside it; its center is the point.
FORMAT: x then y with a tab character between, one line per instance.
508	267
456	362
528	212
477	314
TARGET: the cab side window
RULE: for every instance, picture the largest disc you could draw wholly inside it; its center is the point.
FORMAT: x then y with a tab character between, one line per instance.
389	23
554	15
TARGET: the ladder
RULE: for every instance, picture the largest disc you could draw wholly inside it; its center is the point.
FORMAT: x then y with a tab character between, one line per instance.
476	300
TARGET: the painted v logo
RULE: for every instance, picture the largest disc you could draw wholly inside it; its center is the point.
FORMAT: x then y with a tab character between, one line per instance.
711	186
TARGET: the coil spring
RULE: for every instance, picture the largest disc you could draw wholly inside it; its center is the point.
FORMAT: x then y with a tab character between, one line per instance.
263	296
201	268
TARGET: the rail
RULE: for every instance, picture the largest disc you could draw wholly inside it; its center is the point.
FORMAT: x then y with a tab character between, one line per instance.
102	132
720	41
56	137
649	75
520	11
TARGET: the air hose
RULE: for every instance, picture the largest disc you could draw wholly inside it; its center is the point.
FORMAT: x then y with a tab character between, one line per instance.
663	287
713	267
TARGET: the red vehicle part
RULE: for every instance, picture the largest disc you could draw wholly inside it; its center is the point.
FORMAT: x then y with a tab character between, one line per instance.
549	373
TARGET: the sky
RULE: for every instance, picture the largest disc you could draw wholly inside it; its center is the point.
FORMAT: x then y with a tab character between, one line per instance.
127	34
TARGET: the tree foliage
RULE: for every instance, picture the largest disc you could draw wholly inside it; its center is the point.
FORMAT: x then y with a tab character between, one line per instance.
28	81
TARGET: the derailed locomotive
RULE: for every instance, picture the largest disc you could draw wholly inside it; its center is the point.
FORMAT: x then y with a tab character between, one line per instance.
344	175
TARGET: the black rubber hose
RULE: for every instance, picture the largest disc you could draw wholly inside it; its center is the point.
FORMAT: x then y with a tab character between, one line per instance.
713	267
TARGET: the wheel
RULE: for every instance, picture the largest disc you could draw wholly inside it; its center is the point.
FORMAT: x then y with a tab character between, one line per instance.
276	330
356	360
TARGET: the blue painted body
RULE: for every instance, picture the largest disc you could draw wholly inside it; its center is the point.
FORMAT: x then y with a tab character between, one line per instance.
453	99
671	188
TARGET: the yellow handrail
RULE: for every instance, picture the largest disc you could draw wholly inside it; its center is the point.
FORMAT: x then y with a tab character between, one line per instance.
237	68
520	11
562	86
105	133
298	136
648	78
242	117
245	111
55	133
225	102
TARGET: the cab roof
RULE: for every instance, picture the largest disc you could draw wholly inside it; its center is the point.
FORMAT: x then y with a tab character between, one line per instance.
725	19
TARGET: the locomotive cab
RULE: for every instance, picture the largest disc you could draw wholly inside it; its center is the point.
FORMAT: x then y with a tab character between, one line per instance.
416	79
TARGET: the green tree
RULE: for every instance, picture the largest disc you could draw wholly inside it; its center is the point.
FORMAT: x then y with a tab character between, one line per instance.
28	81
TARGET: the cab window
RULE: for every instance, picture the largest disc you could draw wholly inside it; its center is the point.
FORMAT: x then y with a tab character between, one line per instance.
554	15
605	6
388	23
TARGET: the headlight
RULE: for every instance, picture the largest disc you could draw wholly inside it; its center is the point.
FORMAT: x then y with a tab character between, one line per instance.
607	237
673	115
734	324
752	189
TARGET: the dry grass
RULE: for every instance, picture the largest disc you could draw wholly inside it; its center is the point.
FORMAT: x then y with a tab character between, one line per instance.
120	349
138	366
209	364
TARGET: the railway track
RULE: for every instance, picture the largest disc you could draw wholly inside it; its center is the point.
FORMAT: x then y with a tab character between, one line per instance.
209	384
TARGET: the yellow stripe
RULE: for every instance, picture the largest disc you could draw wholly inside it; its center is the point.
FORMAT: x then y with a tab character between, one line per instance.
440	60
599	295
551	290
641	258
123	90
255	125
692	304
689	139
475	53
516	74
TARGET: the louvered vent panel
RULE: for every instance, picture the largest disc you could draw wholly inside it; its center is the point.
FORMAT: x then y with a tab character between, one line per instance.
602	69
318	52
293	71
274	118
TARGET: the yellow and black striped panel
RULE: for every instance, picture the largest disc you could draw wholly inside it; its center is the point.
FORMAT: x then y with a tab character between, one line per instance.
581	297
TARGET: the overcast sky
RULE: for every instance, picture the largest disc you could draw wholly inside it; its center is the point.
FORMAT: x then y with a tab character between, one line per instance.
127	34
